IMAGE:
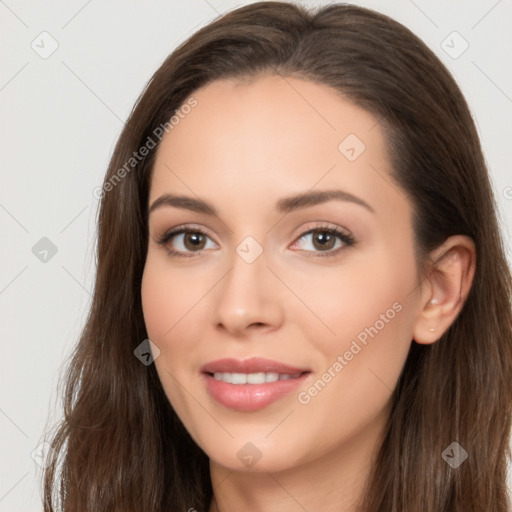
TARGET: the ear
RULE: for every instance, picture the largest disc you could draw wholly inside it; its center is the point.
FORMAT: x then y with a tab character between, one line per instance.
446	287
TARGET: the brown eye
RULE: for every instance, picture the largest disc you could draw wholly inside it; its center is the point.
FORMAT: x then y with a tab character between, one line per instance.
194	240
323	240
186	241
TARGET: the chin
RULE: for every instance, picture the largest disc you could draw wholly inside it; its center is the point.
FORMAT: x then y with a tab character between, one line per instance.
253	452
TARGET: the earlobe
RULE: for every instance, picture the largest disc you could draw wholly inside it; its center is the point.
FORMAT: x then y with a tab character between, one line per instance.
446	287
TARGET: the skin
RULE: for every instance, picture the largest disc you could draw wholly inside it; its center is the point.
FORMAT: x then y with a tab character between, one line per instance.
246	145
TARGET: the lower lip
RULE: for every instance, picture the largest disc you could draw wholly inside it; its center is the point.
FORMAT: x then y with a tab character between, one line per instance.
250	397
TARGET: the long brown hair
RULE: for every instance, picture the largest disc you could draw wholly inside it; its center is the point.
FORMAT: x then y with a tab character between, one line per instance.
121	447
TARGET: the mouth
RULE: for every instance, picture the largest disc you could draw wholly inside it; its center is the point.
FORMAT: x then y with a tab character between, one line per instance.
252	378
251	384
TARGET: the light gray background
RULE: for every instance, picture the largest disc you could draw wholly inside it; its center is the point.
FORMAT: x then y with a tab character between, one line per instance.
61	116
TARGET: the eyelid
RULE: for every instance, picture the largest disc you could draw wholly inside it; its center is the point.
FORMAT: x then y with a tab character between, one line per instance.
318	226
183	228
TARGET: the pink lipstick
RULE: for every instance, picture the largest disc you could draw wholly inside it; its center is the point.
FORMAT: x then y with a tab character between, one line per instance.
251	384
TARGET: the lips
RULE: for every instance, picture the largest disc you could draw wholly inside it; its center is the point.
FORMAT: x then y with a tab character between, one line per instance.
252	365
250	384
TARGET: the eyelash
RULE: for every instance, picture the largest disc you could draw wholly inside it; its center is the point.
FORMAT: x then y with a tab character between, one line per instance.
348	240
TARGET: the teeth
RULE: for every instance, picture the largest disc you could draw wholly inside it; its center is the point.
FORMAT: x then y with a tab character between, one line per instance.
236	378
252	378
259	378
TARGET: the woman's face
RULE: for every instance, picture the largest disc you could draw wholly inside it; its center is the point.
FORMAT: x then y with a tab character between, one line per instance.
260	288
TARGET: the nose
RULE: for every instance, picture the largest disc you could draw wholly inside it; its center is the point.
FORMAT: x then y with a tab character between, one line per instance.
248	298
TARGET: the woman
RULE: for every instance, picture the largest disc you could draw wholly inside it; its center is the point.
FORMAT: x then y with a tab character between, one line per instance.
299	217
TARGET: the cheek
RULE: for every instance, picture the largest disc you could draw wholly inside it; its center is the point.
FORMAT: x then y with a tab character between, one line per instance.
359	375
352	389
165	314
339	303
168	295
158	304
174	303
168	304
362	323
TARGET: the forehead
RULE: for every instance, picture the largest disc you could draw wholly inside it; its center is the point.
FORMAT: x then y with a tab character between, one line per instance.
271	135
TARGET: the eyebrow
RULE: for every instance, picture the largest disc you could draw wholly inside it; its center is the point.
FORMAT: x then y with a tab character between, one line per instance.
284	205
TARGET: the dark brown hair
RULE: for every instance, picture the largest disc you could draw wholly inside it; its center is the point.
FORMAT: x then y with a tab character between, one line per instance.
121	447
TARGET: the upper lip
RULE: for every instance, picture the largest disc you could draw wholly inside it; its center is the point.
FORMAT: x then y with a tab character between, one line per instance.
251	365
